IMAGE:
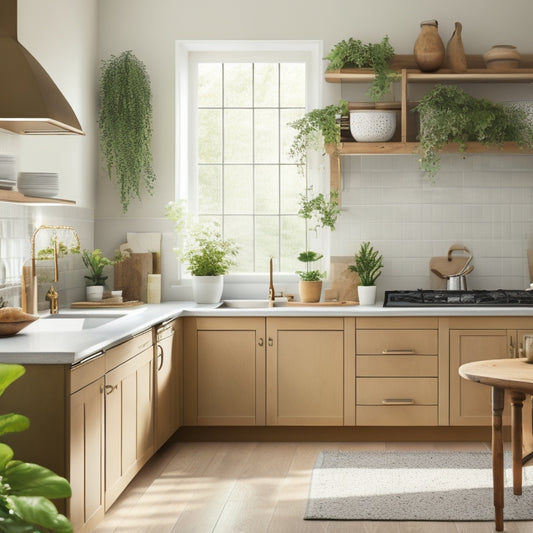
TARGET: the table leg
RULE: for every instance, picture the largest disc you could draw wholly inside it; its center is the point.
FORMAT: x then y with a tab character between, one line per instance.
497	455
517	401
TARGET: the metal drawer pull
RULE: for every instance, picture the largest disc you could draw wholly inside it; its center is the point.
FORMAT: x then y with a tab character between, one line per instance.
398	352
398	401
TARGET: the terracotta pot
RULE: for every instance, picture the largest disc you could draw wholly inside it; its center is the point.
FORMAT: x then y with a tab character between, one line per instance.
429	49
310	291
455	52
502	57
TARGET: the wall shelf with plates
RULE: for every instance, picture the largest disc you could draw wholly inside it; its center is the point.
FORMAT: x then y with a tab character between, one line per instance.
19	198
405	66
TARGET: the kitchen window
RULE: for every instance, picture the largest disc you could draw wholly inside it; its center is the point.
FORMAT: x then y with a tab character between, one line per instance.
234	102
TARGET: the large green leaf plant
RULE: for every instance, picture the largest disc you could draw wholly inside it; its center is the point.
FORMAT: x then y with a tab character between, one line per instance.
26	488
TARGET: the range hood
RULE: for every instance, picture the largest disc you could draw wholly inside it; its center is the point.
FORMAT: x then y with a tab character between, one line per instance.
30	102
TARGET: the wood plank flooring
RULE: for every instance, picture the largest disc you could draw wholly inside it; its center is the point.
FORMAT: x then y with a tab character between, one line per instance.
253	487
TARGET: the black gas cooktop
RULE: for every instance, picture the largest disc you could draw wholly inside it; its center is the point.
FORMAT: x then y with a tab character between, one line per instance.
429	298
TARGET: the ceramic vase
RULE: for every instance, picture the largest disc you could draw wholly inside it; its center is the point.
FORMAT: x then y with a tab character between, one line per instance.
310	291
207	289
429	49
372	125
94	293
502	57
455	52
367	294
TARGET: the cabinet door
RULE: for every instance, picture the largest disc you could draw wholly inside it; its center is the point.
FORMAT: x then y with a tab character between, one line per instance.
129	422
470	403
305	371
224	371
166	384
86	506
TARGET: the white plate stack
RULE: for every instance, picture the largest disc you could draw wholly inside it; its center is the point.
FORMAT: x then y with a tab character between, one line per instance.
41	184
8	174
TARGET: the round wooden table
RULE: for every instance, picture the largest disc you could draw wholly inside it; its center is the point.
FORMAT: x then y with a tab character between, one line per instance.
515	376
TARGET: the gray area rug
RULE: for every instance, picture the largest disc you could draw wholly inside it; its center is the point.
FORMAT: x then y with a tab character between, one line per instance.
435	486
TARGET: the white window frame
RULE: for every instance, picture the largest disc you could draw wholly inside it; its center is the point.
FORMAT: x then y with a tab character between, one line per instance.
308	51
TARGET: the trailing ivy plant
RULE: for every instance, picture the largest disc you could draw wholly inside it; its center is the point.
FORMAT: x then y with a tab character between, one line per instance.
319	211
376	56
315	128
26	488
450	115
125	125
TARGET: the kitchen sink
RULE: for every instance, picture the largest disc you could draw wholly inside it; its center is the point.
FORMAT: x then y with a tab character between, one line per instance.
74	321
252	304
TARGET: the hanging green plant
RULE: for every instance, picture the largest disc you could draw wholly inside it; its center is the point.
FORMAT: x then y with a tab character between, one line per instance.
450	115
125	124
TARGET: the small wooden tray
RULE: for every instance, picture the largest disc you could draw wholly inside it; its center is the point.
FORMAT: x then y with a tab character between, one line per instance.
107	302
306	304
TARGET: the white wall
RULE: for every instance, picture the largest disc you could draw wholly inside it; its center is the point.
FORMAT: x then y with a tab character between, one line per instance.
422	213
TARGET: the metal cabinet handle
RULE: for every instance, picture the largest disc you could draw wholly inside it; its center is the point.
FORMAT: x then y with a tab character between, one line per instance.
398	401
110	388
160	357
409	351
261	341
270	341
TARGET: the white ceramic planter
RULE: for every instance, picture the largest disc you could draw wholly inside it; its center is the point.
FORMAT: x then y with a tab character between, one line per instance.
207	289
94	293
367	295
372	125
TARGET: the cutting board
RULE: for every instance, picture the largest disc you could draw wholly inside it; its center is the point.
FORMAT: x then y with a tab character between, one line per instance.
104	303
131	276
330	304
448	265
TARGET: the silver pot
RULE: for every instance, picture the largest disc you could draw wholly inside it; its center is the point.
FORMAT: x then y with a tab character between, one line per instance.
456	283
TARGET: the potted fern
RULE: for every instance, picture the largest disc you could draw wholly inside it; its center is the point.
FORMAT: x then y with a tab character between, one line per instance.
125	125
368	265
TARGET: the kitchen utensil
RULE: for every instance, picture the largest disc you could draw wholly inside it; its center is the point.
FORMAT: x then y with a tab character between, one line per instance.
465	266
437	273
456	283
448	265
468	270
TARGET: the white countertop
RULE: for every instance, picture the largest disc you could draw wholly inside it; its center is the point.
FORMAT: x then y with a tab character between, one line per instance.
32	345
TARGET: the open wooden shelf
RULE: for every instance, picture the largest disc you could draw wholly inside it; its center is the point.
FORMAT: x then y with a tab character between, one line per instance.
19	198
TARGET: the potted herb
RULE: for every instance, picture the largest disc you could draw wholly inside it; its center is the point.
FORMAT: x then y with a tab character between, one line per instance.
376	56
320	212
368	265
125	125
95	263
27	488
207	254
450	115
315	128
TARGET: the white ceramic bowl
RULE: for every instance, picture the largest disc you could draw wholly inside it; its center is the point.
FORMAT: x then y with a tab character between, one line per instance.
372	125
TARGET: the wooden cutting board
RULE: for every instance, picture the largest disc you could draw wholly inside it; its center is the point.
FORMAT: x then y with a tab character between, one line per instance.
131	276
104	303
304	304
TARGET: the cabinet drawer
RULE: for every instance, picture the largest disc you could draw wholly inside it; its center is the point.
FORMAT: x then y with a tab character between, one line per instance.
397	342
119	354
396	415
86	372
389	391
396	365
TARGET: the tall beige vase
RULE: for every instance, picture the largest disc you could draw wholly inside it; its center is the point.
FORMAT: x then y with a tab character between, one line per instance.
429	49
455	52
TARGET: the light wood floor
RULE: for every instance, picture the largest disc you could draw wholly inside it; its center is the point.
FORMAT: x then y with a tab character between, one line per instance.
250	487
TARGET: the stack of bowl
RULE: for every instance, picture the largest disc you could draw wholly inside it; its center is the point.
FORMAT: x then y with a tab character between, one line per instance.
40	184
8	174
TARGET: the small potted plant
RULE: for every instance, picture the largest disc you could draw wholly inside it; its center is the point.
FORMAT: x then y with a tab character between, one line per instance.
368	265
319	212
207	254
95	262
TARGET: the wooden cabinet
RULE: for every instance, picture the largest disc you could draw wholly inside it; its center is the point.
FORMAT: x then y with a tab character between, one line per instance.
129	436
309	372
299	373
168	348
397	372
470	403
86	459
224	371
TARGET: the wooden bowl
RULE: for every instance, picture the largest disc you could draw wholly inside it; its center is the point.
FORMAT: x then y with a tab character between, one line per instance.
13	320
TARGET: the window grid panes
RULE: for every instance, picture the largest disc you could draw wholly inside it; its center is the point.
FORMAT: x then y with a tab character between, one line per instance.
245	180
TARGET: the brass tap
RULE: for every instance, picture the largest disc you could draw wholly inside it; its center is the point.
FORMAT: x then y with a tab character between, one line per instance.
52	293
54	300
271	292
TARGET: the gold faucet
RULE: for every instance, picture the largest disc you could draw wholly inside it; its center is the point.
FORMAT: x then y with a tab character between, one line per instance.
52	294
271	292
